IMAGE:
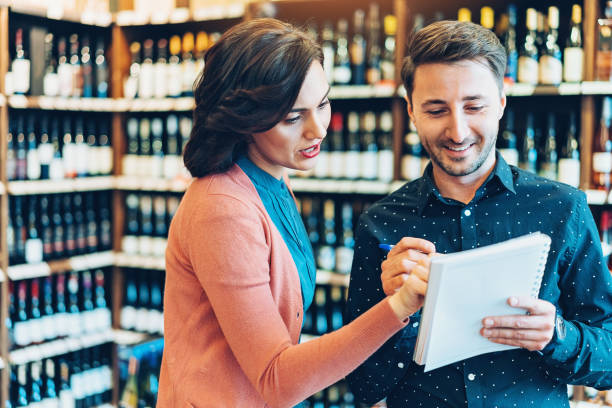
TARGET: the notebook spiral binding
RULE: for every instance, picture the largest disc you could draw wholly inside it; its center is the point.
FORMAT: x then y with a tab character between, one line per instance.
535	291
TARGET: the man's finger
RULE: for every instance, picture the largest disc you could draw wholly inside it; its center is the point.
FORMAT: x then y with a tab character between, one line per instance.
532	305
542	322
511	334
526	344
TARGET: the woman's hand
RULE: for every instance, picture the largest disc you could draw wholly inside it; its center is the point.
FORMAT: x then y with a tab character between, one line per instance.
411	294
402	259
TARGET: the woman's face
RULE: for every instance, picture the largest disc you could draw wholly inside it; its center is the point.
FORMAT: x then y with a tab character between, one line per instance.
295	141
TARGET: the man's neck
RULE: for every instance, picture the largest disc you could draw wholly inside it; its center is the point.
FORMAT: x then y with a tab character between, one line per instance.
461	188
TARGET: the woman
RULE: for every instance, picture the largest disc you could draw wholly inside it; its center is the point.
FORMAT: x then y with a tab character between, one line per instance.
240	269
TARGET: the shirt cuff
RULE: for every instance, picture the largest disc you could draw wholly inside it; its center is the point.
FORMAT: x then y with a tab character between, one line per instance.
560	351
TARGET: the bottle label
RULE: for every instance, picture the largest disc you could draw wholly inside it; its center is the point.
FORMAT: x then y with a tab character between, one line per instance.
21	75
157	166
45	153
369	165
145	245
145	81
385	165
48	327
64	73
154	319
344	259
511	156
103	318
321	169
66	399
62	323
373	76
75	328
387	69
56	169
51	84
351	169
342	74
130	87
175	80
105	159
573	61
69	154
33	250
411	167
93	165
171	166
569	172
161	80
36	331
189	76
548	170
326	258
128	317
87	321
551	70
129	244
528	70
328	63
50	403
22	333
76	384
336	164
82	153
602	162
33	164
357	53
130	165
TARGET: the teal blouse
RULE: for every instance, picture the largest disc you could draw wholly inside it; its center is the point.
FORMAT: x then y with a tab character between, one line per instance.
281	208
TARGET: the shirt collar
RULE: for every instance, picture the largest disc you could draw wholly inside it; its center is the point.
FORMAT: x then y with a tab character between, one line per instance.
429	191
260	177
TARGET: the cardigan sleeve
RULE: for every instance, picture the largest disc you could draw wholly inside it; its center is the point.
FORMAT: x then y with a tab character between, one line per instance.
228	247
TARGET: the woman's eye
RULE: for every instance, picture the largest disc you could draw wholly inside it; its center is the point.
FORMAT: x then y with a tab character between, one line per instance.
292	120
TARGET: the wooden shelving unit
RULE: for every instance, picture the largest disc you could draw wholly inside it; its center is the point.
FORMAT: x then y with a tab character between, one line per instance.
128	26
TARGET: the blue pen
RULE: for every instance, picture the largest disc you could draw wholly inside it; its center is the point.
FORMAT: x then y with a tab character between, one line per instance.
386	247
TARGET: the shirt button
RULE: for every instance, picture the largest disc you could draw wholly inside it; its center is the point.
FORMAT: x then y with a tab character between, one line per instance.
471	377
415	324
400	365
467	213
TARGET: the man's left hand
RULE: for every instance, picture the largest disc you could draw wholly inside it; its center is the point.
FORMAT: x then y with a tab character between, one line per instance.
532	331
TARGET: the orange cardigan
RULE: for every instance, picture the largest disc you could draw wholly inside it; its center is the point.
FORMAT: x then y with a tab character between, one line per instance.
233	309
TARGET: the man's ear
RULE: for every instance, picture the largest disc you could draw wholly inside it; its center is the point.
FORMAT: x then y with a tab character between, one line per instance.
502	104
409	108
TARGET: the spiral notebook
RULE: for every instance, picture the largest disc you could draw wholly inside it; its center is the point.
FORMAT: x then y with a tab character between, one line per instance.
467	286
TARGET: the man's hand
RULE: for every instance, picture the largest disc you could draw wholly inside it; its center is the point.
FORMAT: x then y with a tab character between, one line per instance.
402	259
532	331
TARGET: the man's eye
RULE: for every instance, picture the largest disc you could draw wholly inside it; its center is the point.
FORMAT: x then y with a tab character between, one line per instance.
475	108
324	104
436	112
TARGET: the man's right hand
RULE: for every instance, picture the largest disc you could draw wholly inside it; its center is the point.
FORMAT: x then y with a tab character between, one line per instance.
401	261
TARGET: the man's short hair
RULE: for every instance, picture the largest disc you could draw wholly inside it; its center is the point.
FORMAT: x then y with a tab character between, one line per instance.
452	41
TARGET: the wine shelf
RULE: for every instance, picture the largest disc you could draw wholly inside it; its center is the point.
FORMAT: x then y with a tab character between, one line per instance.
180	15
124	260
61	186
76	263
132	183
59	347
362	91
101	104
130	338
56	11
312	185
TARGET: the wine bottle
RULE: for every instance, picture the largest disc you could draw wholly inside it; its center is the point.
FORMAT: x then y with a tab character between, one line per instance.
387	64
35	324
509	42
50	398
157	155
358	49
87	68
69	151
91	226
369	148
507	142
172	155
175	77
320	312
129	395
353	147
144	148
21	152
130	300
487	17
22	332
104	150
66	396
104	223
342	63
344	252
188	64
142	322
336	307
56	167
337	155
550	65
62	318
411	154
45	149
327	45
48	321
102	312
159	225
20	231
528	70
326	258
131	84
64	69
36	385
20	67
33	167
46	229
145	239
146	85
73	317
51	77
569	163
373	74
161	69
573	54
101	70
528	156
11	152
75	65
57	225
70	248
81	149
385	147
602	148
33	243
548	166
464	15
131	158
86	305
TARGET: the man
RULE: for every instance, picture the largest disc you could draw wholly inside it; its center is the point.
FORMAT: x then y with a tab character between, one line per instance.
470	197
